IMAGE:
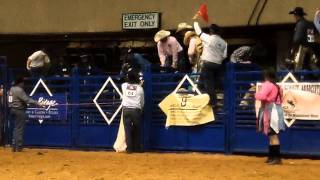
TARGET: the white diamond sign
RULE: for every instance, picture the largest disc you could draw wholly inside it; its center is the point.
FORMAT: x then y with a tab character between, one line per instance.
40	81
187	78
109	80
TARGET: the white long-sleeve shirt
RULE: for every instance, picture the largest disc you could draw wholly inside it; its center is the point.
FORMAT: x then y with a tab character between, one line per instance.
214	47
317	20
133	96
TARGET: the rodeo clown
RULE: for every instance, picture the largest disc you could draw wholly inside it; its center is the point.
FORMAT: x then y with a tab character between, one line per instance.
18	102
270	119
133	103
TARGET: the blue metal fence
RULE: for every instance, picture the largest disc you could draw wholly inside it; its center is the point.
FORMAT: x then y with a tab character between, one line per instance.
233	130
299	139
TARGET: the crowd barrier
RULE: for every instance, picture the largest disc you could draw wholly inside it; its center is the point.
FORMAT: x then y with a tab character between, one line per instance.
81	125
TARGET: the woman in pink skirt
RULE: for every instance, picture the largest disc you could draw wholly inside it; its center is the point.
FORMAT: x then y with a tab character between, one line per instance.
270	119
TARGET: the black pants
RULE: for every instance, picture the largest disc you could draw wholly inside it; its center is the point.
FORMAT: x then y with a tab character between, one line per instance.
210	78
20	118
181	64
132	126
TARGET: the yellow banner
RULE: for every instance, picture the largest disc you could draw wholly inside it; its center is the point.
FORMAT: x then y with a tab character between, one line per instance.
187	109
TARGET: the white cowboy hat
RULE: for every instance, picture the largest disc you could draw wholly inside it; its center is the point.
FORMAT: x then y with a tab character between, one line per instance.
161	34
182	26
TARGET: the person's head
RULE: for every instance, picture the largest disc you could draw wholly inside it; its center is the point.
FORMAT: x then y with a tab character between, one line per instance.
133	77
270	74
214	29
163	40
19	81
298	13
183	28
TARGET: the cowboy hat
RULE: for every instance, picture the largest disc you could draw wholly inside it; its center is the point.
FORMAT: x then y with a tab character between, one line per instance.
298	11
188	36
161	35
183	26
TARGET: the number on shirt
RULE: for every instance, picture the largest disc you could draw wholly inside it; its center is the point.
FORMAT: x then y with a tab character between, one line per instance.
131	91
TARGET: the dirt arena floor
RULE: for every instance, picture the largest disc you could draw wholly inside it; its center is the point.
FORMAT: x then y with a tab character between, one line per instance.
43	164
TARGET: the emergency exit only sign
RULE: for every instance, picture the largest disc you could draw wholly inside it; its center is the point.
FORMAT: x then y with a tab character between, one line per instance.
141	20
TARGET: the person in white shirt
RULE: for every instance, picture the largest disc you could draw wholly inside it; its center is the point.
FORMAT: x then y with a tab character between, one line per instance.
133	103
214	52
38	63
317	20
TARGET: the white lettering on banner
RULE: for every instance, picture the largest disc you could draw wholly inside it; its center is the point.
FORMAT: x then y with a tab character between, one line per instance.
47	103
140	20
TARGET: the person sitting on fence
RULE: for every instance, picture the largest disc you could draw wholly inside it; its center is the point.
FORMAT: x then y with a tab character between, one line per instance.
302	55
133	61
38	63
195	49
170	52
18	102
133	104
271	116
214	52
241	55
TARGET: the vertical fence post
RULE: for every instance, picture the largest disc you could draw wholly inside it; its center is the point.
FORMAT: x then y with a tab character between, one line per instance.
147	116
230	91
3	72
75	94
6	111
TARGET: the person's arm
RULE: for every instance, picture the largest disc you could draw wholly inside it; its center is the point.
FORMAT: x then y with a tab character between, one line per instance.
175	48
28	64
161	54
299	34
264	92
225	52
192	49
142	98
317	20
203	36
25	98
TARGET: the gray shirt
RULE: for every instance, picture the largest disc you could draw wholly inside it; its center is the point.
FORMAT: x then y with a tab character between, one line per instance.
18	99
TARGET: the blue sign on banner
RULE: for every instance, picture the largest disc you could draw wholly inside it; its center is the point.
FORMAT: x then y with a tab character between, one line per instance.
54	109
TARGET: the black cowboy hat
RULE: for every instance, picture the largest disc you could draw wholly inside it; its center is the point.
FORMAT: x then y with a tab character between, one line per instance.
298	11
18	80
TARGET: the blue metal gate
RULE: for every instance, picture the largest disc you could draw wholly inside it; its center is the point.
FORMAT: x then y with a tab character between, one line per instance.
208	137
233	130
299	139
